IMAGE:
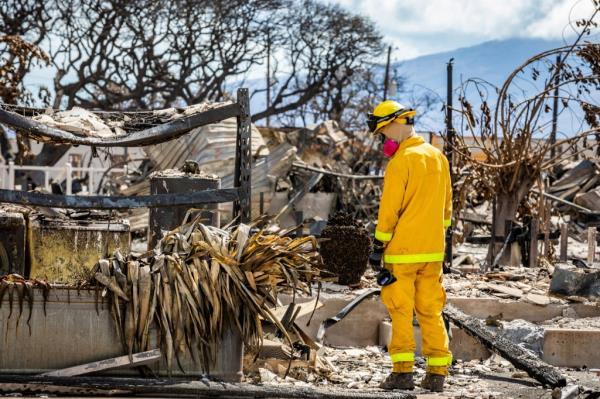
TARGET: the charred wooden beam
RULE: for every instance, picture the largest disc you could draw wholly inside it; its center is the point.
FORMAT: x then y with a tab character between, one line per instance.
519	357
177	388
154	135
118	202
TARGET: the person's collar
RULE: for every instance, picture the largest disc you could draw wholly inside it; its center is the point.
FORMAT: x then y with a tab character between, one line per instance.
411	141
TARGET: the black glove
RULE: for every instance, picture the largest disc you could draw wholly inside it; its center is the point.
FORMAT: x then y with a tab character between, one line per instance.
376	255
385	277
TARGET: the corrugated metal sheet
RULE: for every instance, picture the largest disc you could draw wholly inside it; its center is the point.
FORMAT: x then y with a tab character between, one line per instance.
265	173
212	146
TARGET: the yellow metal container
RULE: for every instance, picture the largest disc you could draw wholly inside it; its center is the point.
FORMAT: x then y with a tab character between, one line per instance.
66	251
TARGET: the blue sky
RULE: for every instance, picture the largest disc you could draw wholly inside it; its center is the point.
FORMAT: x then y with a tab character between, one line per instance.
420	27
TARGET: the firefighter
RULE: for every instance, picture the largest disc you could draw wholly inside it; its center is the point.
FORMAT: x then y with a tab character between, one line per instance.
414	212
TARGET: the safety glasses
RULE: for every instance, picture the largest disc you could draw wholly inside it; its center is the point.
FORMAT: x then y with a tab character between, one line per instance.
373	121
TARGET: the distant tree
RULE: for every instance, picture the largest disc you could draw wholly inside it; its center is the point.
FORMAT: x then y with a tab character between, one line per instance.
320	52
23	26
141	54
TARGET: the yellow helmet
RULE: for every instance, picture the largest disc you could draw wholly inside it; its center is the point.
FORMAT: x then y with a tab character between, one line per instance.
388	111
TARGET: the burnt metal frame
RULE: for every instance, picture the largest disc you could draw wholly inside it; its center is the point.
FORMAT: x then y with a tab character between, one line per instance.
240	194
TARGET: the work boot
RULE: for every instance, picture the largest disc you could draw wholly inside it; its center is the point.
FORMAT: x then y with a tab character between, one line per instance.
433	382
398	381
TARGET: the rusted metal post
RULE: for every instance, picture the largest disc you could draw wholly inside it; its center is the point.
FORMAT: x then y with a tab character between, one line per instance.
387	73
591	245
555	108
449	150
243	159
11	176
547	243
533	246
564	241
262	203
69	179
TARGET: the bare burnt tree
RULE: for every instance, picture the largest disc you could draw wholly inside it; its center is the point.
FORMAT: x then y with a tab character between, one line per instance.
143	54
319	52
26	18
24	25
348	97
91	48
17	57
509	127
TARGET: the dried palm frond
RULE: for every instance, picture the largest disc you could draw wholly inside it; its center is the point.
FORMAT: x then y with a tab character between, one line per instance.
201	281
24	288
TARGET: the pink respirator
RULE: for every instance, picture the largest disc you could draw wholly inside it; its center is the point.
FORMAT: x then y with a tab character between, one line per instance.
390	147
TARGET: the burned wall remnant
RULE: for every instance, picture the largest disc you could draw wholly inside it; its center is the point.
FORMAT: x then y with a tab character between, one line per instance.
65	251
184	181
12	243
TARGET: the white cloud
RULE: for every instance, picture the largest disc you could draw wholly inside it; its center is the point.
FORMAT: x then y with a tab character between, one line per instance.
418	27
555	24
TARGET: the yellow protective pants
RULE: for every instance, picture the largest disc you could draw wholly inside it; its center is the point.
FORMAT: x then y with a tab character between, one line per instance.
418	289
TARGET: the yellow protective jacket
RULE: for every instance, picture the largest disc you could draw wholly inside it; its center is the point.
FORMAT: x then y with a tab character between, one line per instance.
416	204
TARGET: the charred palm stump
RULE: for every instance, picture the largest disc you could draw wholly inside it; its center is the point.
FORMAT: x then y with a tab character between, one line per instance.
345	247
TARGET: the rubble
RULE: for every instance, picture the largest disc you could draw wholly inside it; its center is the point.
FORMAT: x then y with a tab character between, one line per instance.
528	284
363	369
498	343
570	280
576	181
574	322
525	334
80	121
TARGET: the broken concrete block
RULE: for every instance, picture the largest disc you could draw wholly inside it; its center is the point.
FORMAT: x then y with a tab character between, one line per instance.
541	300
566	347
574	178
525	334
510	291
572	281
589	200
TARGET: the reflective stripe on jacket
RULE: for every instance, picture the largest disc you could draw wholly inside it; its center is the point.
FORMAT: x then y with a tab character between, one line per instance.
416	204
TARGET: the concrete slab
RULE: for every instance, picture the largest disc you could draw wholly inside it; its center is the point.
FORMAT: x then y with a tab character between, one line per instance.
562	347
572	348
511	310
70	330
362	326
